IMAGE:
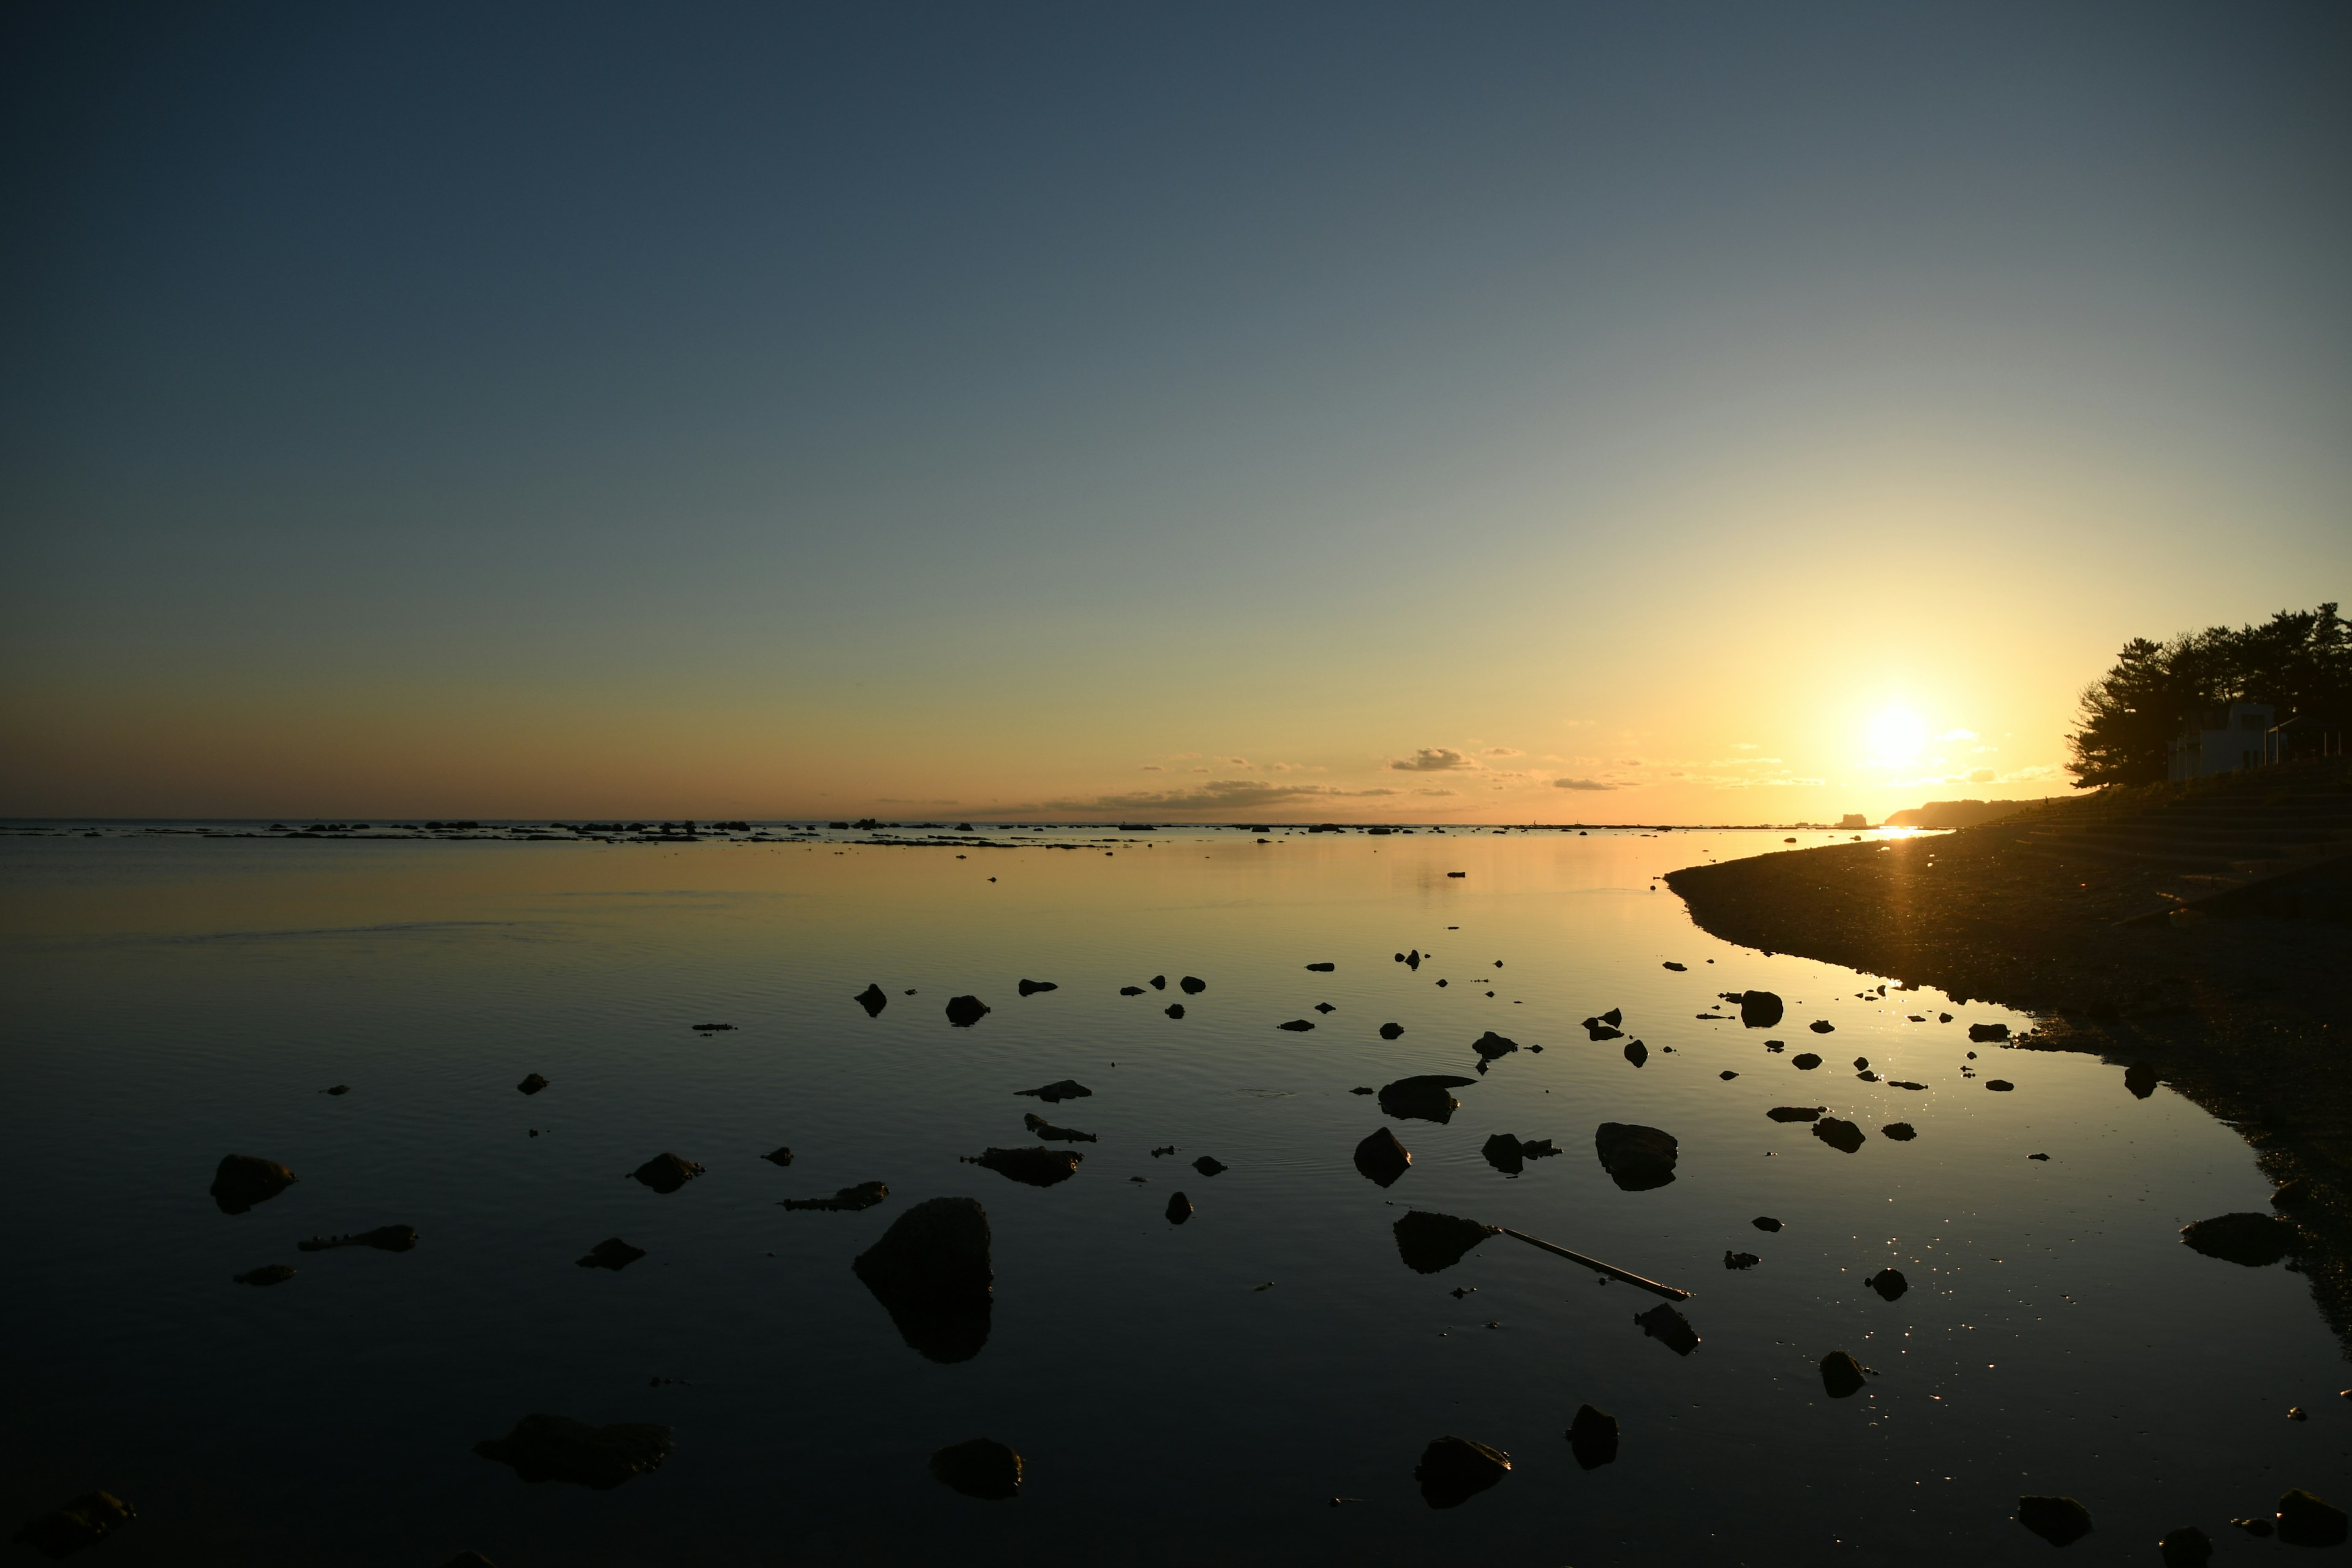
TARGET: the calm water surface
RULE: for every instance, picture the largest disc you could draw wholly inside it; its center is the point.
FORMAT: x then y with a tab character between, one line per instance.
171	1000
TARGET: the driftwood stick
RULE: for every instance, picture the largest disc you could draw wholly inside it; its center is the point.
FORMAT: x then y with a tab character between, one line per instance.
1668	1291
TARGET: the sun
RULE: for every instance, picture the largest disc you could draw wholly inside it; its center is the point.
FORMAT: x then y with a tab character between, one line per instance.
1898	737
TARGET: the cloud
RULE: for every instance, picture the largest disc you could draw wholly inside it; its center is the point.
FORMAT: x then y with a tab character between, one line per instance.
1425	791
1433	760
1745	746
1580	784
1217	795
1957	735
1502	751
2046	772
1153	768
1234	761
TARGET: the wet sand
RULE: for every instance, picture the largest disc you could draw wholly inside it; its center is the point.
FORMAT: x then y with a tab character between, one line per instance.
2064	912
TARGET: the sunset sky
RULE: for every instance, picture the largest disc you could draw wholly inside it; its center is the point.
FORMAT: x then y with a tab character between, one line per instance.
1480	413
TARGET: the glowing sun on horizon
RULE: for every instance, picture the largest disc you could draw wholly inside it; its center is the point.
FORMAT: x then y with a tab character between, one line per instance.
1898	737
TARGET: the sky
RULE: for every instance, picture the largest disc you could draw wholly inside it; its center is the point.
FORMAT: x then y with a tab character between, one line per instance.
1699	413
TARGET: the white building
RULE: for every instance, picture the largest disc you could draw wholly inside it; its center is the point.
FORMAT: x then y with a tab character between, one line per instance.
2225	739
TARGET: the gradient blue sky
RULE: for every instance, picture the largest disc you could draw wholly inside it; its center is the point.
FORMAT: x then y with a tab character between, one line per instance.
1603	413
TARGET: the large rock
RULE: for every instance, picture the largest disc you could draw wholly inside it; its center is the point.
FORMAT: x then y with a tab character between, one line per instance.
1180	1208
2255	1240
1758	1009
667	1173
2059	1521
1430	1243
1453	1470
1637	1158
1382	1159
1839	1133
1592	1437
872	1000
2141	1080
1036	1167
243	1180
1889	1283
2305	1521
963	1012
1424	1097
84	1522
1841	1375
558	1448
980	1469
932	1272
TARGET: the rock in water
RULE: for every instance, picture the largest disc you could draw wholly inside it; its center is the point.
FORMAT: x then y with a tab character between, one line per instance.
1822	1026
1637	1158
2000	1085
1191	986
268	1274
931	1271
1805	1061
1209	1165
1453	1470
1175	1009
1796	1112
612	1253
1766	1222
778	1156
872	1000
1060	1089
1296	1025
863	1195
531	1085
2255	1240
383	1238
1637	1053
243	1181
1839	1134
1031	987
1322	968
2141	1080
84	1522
963	1012
1180	1208
1889	1283
1130	990
1392	1031
1758	1009
1669	1328
2187	1547
1502	1152
1901	1131
667	1173
1038	1167
1741	1260
1979	1033
1424	1097
2059	1521
980	1469
1841	1375
557	1449
1382	1159
1430	1243
1492	1046
1592	1437
2305	1521
1047	1131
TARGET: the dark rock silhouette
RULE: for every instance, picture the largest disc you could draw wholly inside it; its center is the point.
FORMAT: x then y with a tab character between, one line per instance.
863	1195
1678	968
778	1156
1841	1375
963	1012
1614	1017
531	1085
1636	1052
2256	1241
1059	1089
1796	1112
338	1089
383	1238
1031	987
1766	1222
1412	960
2305	1521
1296	1025
1423	1097
557	1449
1901	1131
667	1173
612	1253
1757	1009
84	1522
1159	983
1741	1260
1209	1165
1492	1046
2000	1085
1175	1009
1502	1152
268	1274
2294	1193
1382	1159
1191	986
1840	1135
2188	1547
1592	1438
1889	1283
1430	1243
1453	1470
1038	1167
980	1469
1392	1031
1669	1328
2141	1080
1805	1061
1130	990
1325	1007
931	1273
2059	1521
872	1000
242	1181
1981	1033
1637	1158
1323	968
1180	1208
1822	1026
1053	1134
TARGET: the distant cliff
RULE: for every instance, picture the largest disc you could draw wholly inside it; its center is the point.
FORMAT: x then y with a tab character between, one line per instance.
1956	813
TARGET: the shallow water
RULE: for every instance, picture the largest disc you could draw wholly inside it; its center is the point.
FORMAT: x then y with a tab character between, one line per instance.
171	1000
